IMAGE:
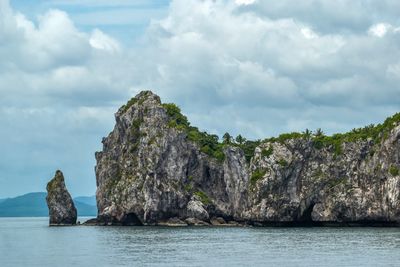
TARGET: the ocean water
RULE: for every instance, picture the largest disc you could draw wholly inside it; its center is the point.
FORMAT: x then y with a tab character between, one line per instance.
30	242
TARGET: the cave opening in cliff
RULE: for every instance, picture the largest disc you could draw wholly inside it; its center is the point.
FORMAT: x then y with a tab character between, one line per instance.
131	219
306	218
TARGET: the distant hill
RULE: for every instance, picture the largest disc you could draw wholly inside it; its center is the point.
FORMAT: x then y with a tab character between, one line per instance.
86	200
34	205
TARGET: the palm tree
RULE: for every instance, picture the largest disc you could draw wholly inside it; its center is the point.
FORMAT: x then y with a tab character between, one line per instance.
227	138
319	132
240	139
307	134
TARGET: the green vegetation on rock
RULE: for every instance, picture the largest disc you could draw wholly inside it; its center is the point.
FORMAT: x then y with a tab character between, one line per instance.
129	104
257	175
335	182
373	132
135	134
208	143
249	148
282	163
188	187
135	100
284	137
227	138
267	152
177	119
394	171
203	197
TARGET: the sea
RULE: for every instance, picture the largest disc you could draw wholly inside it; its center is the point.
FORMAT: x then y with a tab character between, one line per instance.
30	242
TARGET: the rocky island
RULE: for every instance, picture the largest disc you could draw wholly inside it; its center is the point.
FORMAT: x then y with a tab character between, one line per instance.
62	210
156	169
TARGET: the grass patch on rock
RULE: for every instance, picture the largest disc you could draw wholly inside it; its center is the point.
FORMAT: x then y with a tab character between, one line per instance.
394	171
257	175
203	197
267	152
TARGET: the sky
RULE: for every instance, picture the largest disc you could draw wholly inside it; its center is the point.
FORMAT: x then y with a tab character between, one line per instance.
258	68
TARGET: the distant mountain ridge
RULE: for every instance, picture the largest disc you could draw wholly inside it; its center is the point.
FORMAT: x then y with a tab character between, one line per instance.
34	205
86	200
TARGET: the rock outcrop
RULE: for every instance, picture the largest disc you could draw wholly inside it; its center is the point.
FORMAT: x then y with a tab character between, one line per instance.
62	210
155	167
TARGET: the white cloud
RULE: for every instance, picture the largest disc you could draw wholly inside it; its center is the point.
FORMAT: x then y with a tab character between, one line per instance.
52	53
245	2
258	69
58	94
380	29
308	33
101	3
211	52
327	16
118	16
101	41
54	41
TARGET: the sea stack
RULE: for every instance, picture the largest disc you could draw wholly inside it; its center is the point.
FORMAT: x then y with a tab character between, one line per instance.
62	210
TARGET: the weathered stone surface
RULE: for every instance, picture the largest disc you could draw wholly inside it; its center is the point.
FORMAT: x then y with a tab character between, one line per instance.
149	171
91	222
195	209
62	210
317	185
196	222
218	221
172	222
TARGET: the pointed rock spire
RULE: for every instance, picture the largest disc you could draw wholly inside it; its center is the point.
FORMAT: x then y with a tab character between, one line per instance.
62	210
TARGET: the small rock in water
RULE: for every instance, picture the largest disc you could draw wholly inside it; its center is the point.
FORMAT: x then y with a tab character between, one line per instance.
91	222
218	221
173	222
62	210
196	222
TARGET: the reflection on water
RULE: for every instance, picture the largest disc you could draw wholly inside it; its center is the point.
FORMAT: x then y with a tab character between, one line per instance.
29	242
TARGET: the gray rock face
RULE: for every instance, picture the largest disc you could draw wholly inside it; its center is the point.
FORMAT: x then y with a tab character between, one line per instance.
62	210
301	183
151	171
195	209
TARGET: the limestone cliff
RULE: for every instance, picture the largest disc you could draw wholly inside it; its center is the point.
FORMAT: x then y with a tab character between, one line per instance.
155	167
62	210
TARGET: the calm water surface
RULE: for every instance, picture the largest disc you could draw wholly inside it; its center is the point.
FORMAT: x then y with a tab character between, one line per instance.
30	242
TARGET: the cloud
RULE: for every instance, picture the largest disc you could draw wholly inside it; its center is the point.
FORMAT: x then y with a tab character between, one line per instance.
101	41
258	68
308	33
58	98
45	45
100	3
245	2
118	16
330	16
379	29
222	54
